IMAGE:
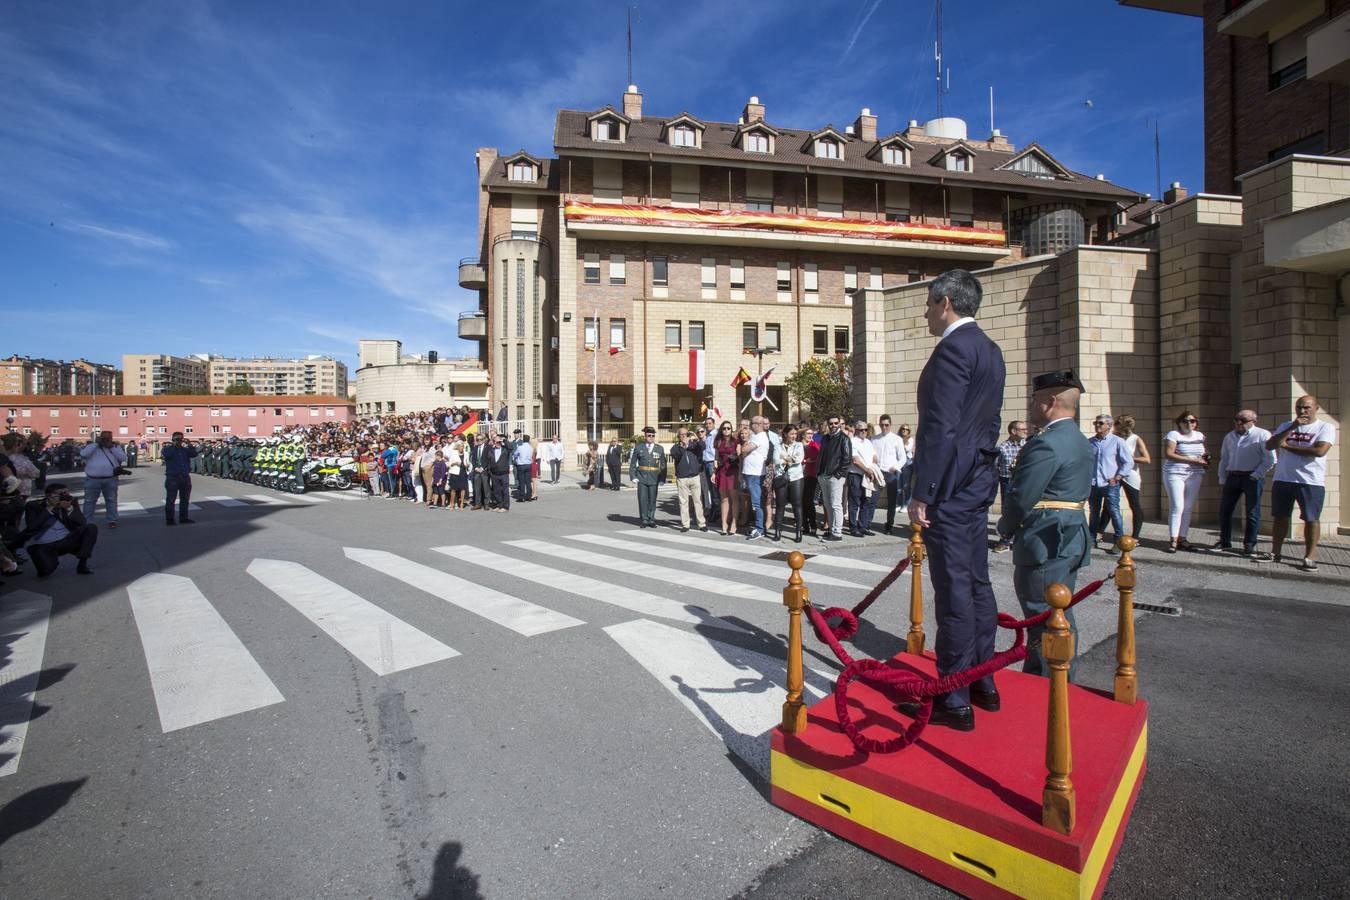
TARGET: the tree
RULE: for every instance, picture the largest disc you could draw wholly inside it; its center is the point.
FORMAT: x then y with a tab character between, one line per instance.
821	388
240	389
179	391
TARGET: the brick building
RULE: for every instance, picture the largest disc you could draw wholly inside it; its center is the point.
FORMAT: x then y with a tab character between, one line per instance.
150	374
157	417
29	376
654	236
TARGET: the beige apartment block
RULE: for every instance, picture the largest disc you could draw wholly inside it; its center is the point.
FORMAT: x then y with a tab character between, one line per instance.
149	374
267	375
414	385
24	375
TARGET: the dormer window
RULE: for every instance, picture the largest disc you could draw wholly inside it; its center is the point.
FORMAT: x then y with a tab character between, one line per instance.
827	148
608	130
1033	162
958	161
683	136
894	155
756	142
522	171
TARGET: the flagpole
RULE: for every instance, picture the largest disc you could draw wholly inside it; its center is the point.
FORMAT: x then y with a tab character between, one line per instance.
595	378
759	354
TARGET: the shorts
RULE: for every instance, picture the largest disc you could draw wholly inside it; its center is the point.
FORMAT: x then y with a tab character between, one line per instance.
1308	496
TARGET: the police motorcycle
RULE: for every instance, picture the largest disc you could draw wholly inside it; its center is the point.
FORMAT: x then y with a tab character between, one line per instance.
335	472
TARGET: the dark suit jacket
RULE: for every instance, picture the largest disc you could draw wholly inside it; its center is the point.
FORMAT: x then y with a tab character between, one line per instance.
614	457
501	465
960	400
37	516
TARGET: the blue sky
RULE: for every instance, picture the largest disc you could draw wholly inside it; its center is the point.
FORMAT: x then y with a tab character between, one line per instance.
286	178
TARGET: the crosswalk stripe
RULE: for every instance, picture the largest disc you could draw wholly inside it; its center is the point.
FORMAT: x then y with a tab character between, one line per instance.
268	499
308	498
521	616
731	545
736	693
594	589
385	643
199	669
778	571
130	508
715	586
227	501
24	625
343	495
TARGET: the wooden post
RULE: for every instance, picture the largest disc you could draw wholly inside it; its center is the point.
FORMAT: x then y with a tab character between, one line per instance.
1127	683
914	641
1057	800
795	598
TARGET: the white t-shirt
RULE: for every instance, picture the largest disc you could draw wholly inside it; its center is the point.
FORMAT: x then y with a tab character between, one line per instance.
864	449
1192	445
752	463
1133	479
1305	469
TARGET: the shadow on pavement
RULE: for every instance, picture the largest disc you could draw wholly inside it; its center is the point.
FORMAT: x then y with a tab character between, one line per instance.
450	880
35	807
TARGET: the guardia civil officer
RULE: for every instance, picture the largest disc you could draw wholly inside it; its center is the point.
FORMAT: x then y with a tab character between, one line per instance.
647	469
1043	508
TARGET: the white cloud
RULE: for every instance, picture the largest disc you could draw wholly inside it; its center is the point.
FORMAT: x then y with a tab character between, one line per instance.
134	237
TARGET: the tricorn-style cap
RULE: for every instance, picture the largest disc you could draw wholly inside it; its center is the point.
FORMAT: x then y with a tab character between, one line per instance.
649	430
1061	379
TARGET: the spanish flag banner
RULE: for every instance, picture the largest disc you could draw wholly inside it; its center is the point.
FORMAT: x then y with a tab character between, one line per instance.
742	377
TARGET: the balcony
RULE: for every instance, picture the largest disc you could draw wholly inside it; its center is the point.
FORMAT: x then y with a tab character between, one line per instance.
783	230
473	326
472	275
1329	51
1316	239
1257	18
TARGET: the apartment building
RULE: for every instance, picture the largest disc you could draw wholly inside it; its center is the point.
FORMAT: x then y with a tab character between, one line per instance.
23	375
151	374
646	237
266	375
157	417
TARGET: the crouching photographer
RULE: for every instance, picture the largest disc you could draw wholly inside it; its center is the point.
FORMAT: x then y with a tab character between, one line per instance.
55	527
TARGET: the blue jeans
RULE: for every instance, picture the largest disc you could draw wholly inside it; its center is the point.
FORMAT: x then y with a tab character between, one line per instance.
1102	501
712	500
906	483
177	487
1236	486
1003	485
107	489
755	485
862	506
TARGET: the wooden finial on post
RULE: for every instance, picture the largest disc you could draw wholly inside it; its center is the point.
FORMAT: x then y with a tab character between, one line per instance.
1057	800
914	641
1127	678
795	598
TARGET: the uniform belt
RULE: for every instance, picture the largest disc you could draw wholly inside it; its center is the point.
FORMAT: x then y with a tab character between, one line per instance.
1059	504
649	468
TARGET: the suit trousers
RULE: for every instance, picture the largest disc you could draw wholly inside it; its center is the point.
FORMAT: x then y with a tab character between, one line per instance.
614	478
963	599
524	481
79	543
554	470
892	496
647	501
482	489
181	487
1030	583
1236	486
501	490
689	492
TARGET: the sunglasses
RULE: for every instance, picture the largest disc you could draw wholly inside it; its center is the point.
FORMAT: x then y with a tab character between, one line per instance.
1191	420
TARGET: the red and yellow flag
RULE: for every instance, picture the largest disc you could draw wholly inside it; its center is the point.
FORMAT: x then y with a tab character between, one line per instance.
742	377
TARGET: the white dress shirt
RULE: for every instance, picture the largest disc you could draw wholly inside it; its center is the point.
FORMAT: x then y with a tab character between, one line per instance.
891	455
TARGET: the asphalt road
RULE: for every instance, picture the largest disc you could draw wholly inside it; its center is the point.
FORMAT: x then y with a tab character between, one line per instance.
566	718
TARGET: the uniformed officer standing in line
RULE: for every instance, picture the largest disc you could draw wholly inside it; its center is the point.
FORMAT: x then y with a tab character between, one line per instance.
647	469
1043	509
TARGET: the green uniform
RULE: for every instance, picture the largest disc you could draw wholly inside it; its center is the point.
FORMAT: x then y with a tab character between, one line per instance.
1049	545
647	469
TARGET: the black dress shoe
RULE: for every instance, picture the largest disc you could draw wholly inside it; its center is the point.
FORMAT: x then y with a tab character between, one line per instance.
961	718
187	521
985	700
83	569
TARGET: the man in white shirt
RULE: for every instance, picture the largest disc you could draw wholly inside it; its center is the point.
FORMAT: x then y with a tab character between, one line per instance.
891	459
553	454
101	460
1243	466
753	455
864	477
1300	477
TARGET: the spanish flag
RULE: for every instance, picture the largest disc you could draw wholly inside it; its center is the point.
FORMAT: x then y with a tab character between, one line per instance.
742	377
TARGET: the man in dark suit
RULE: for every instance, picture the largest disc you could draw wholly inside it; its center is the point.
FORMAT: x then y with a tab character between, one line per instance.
478	473
1043	508
497	462
54	527
613	460
955	480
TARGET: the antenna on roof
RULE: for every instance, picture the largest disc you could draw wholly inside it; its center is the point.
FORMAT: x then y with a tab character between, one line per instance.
1157	157
630	43
992	129
937	58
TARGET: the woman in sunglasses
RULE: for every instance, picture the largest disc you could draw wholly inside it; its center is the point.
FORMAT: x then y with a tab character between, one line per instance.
1184	463
728	469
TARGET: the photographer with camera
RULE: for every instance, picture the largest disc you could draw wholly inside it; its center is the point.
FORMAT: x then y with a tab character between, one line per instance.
103	462
53	527
178	478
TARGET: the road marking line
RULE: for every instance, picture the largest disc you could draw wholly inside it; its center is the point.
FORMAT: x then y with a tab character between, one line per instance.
736	693
308	498
521	616
779	571
130	508
199	669
385	643
23	622
716	586
227	501
343	495
268	499
732	545
615	595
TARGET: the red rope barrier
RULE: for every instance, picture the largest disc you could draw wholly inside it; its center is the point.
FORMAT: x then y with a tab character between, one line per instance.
848	618
903	686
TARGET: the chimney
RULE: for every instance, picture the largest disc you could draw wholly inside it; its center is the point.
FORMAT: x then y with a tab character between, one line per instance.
1175	193
915	130
997	141
632	103
866	125
753	112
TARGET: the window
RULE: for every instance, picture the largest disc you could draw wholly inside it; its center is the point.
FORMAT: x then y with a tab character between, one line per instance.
874	278
187	413
784	276
618	333
915	275
277	429
737	274
607	130
810	279
121	413
759	190
684	187
830	195
215	413
618	271
84	429
252	429
827	148
163	413
749	336
27	429
958	162
773	333
253	413
660	271
896	216
696	335
591	267
820	340
755	142
291	412
313	411
683	136
54	413
225	413
841	339
850	278
28	413
55	430
520	370
522	171
608	181
1289	58
328	411
673	329
752	205
225	428
215	429
894	155
590	332
84	413
708	270
520	298
122	429
965	220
